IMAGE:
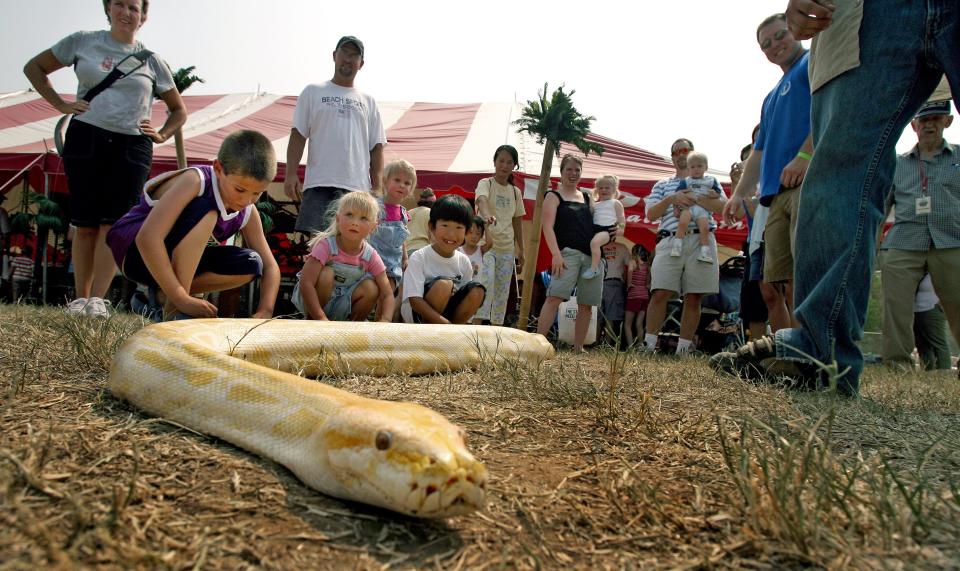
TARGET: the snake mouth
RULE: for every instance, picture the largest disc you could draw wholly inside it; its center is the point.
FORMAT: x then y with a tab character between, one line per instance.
462	493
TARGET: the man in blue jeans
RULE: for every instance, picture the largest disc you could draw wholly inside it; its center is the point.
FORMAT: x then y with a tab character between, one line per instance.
873	64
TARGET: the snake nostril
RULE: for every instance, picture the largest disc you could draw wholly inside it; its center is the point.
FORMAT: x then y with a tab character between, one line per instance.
414	486
431	489
471	480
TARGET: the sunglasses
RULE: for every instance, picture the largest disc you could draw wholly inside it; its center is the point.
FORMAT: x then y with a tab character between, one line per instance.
680	152
779	35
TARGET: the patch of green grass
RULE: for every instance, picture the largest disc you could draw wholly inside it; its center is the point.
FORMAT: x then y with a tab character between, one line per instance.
874	322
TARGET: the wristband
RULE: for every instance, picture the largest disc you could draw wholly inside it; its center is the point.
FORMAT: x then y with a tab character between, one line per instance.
804	156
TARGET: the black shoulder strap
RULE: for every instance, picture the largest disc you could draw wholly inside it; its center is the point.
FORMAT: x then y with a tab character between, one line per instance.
127	65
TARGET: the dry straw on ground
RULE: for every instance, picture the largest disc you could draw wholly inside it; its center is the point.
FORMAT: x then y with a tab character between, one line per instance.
598	461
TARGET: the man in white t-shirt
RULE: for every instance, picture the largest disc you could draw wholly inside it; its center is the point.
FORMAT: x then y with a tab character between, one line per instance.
346	136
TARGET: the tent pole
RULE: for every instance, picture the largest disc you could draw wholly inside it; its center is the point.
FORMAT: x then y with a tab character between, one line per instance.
46	194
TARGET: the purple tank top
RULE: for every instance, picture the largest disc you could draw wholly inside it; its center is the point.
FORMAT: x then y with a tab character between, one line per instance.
124	231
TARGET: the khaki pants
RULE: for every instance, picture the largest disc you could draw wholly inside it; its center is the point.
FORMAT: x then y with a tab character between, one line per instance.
901	272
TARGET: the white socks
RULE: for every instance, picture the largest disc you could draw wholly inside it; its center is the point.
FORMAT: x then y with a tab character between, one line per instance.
683	345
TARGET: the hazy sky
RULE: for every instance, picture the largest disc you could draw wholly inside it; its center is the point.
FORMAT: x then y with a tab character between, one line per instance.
649	72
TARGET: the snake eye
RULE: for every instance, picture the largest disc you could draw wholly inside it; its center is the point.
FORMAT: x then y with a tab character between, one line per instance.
384	440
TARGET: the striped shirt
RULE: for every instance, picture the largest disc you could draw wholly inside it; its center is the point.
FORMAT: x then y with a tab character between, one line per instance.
663	189
941	228
22	267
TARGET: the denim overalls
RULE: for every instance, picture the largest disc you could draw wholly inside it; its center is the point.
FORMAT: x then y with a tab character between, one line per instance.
346	278
388	241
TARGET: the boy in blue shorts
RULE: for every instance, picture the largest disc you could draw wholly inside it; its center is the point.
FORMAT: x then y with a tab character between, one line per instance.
438	284
162	241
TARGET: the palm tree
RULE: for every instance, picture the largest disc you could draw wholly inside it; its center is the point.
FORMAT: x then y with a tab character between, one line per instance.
552	121
183	78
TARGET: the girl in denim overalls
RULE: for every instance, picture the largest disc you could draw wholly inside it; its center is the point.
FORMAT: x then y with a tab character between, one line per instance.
343	276
400	178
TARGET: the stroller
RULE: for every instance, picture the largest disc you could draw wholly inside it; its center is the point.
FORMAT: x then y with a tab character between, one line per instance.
719	326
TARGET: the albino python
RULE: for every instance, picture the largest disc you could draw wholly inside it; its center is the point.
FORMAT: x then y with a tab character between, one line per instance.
225	377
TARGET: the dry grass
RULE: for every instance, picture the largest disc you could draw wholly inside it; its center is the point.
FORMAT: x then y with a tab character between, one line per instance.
600	461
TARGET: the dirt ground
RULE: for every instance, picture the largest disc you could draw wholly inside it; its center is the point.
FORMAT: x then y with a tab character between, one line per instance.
596	462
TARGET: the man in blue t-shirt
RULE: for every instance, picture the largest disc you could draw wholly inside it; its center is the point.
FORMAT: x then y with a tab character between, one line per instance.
779	162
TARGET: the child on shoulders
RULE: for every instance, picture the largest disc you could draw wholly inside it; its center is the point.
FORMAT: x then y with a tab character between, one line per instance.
343	276
608	216
438	284
162	241
703	186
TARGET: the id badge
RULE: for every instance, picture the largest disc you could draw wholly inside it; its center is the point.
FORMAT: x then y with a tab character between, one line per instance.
923	205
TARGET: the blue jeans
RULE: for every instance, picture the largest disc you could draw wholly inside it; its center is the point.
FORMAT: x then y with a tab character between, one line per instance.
905	48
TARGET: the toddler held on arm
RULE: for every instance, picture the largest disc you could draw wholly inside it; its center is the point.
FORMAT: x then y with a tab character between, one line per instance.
703	186
609	220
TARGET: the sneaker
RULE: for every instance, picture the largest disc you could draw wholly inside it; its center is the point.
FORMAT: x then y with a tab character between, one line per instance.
705	255
676	249
590	273
97	307
140	305
76	306
757	360
643	348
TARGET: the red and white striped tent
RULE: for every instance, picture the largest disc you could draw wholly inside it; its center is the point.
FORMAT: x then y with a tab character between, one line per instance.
450	144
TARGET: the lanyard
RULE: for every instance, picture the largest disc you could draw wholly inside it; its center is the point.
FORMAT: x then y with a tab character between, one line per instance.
924	181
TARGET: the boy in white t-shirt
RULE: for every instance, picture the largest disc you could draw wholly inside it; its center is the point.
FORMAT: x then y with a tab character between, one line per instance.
438	284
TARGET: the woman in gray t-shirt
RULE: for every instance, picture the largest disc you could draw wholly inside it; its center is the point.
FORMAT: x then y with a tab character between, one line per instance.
109	143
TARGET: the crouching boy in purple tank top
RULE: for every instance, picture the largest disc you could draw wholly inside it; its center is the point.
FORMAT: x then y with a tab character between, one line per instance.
162	241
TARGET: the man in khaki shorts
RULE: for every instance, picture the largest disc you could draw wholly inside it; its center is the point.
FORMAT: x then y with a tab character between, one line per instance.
778	162
684	275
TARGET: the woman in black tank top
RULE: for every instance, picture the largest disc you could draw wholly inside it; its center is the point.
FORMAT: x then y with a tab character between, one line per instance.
568	224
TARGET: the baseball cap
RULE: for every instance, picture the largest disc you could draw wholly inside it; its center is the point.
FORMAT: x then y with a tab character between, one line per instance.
351	40
934	108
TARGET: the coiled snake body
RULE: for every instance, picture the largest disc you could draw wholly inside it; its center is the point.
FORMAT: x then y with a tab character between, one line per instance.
227	378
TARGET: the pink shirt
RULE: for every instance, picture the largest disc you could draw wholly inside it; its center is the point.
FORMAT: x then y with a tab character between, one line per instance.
321	252
394	213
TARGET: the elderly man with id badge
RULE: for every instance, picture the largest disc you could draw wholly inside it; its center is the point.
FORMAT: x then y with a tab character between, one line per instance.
925	236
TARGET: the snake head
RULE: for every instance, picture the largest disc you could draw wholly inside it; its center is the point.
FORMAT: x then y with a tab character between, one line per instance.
404	457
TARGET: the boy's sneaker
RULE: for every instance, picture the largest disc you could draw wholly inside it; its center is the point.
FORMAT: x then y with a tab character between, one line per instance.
676	248
590	273
97	307
76	307
705	255
140	304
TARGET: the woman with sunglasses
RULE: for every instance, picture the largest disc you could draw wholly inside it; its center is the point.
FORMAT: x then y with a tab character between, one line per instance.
109	143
